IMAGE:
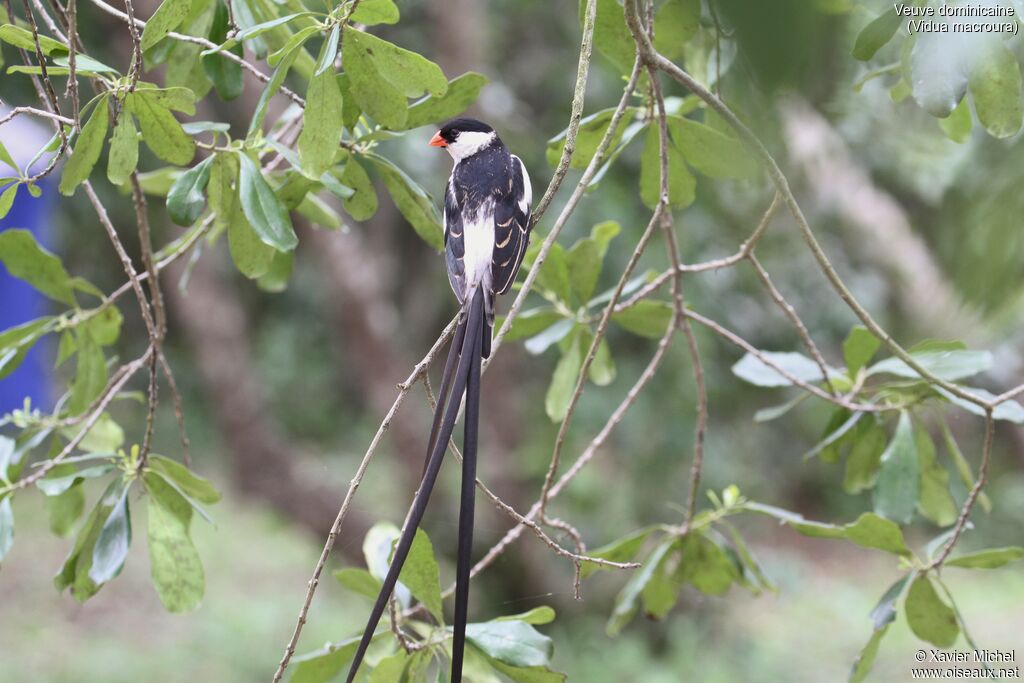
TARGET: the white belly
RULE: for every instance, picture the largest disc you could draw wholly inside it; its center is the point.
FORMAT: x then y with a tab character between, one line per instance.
478	239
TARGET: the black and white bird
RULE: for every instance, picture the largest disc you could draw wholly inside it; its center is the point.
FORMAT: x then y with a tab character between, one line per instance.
486	232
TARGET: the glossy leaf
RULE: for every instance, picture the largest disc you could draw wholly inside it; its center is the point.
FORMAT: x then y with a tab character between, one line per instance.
187	196
262	208
542	341
323	665
938	75
115	537
865	457
563	381
935	502
627	601
611	35
415	205
87	149
536	616
899	478
858	349
752	369
6	527
591	130
7	198
512	642
359	581
321	124
995	84
362	205
710	151
530	323
22	38
225	73
185	480
676	22
957	126
876	34
272	88
682	186
647	318
949	365
462	92
373	12
160	130
990	558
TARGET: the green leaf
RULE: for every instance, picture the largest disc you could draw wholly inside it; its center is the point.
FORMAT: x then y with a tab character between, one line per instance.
462	92
328	52
592	129
176	569
938	75
837	432
554	272
7	198
250	254
160	130
383	76
935	502
6	527
15	342
681	183
124	150
87	149
929	618
710	151
106	436
963	468
752	369
324	664
584	262
647	318
884	612
563	381
225	74
421	575
74	573
676	22
389	669
350	111
373	12
899	479
262	208
359	581
858	349
541	342
260	29
949	365
159	182
273	86
865	457
412	201
872	531
60	480
90	375
602	369
1011	411
626	602
297	39
536	616
221	189
611	35
321	124
22	38
775	412
995	84
6	157
528	674
176	98
512	642
530	323
276	279
957	126
866	659
111	549
186	481
186	198
620	550
26	260
168	15
876	34
986	559
65	509
362	205
706	565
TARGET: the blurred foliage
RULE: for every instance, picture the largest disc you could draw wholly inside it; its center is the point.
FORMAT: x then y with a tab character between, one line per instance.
934	118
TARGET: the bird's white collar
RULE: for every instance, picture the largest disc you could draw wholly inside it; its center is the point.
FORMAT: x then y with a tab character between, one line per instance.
469	143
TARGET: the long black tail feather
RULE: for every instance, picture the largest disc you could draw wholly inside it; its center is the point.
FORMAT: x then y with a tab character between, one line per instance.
454	352
470	338
467	502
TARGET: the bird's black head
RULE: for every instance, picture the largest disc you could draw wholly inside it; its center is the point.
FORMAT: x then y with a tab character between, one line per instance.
464	137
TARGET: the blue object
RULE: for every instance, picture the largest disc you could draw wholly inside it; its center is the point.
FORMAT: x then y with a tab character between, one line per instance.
19	302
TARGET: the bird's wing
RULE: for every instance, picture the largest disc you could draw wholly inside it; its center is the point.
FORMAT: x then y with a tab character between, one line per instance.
454	242
511	227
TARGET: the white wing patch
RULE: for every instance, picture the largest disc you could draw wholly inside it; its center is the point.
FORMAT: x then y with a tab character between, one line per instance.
527	198
479	242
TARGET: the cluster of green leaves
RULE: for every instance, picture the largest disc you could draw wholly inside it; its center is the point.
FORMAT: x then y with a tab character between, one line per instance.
939	68
903	470
507	648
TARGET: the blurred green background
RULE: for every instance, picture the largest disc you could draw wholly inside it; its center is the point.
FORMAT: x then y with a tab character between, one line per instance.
283	392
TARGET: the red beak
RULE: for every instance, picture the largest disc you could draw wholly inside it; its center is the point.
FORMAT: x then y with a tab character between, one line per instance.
438	141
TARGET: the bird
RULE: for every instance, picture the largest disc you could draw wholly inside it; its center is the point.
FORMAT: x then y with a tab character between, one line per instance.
487	224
